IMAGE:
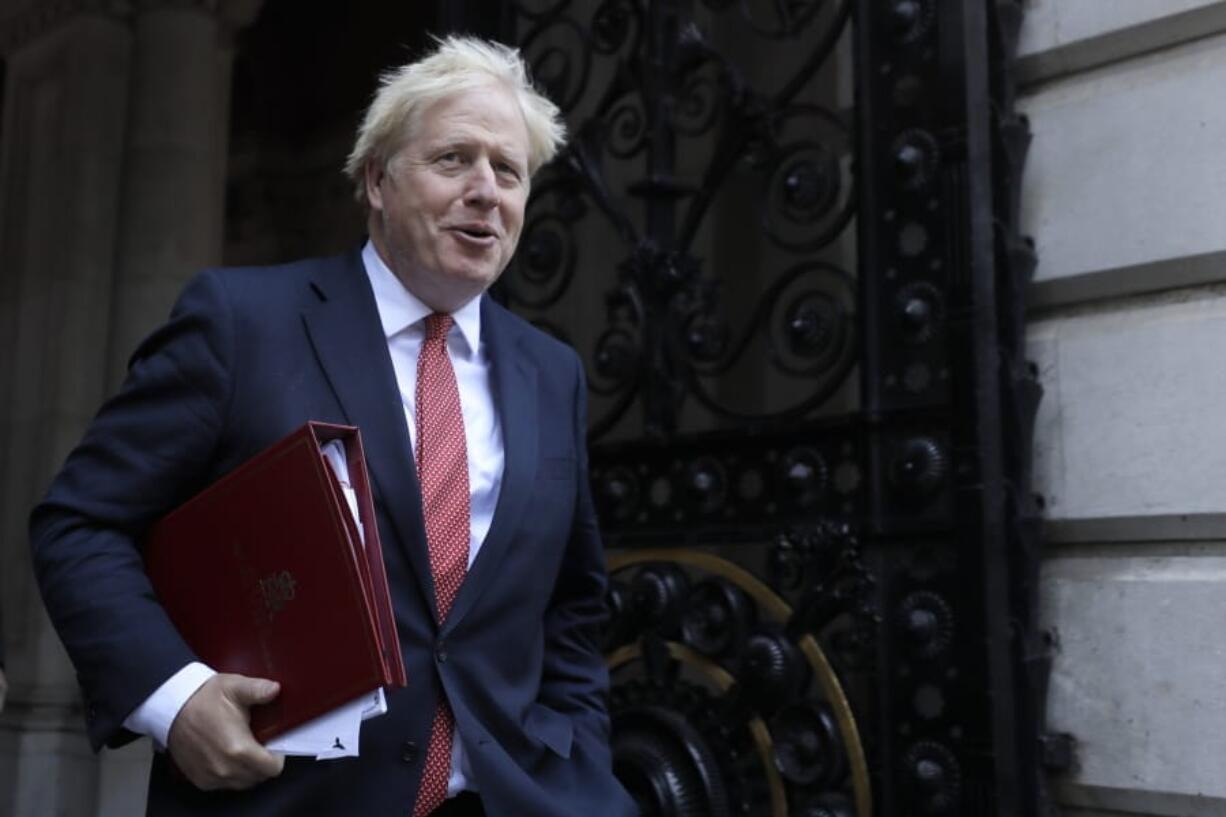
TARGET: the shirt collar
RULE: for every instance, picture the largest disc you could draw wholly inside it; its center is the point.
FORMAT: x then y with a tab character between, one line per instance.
400	309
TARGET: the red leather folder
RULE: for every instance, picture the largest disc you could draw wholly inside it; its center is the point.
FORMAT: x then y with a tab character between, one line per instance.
264	574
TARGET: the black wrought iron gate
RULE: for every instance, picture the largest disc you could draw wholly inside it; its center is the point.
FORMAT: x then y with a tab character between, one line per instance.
810	411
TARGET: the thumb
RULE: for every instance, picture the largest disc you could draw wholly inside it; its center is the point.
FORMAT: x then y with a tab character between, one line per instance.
251	691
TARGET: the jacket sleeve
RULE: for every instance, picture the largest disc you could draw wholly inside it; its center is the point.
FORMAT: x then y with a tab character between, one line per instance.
148	449
575	680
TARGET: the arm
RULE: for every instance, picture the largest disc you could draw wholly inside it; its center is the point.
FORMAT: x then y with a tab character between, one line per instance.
148	449
575	678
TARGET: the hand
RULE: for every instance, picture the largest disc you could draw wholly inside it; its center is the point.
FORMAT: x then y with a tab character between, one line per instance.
4	688
211	741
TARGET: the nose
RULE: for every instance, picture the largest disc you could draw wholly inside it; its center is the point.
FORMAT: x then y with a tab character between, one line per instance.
482	188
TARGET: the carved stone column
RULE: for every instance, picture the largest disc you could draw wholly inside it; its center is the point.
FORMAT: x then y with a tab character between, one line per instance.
173	202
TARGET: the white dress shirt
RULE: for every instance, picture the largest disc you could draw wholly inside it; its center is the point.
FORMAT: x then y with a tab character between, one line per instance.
403	318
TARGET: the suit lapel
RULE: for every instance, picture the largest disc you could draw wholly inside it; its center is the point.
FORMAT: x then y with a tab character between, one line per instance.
344	328
513	378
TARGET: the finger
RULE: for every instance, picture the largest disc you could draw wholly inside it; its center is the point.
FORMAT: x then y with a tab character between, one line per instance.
255	765
242	765
251	691
268	764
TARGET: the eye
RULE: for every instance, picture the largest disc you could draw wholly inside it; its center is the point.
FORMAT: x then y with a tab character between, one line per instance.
450	158
508	170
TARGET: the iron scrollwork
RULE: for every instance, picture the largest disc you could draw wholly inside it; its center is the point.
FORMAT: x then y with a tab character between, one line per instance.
668	136
881	655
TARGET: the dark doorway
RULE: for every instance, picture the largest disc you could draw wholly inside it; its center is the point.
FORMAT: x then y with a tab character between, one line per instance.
303	74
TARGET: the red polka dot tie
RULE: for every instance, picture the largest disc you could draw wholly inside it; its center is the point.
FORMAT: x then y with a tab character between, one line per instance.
442	469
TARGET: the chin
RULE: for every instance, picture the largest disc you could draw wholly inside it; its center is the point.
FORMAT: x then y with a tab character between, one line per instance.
480	277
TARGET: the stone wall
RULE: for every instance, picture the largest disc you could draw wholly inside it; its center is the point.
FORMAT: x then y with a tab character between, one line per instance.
1123	194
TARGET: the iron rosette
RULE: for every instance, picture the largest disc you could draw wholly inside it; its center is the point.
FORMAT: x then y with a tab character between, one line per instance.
733	695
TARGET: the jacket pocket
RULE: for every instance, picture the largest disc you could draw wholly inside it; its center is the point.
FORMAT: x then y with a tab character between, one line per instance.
551	728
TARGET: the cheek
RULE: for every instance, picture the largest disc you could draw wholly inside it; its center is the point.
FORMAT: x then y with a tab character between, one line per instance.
510	243
513	219
419	225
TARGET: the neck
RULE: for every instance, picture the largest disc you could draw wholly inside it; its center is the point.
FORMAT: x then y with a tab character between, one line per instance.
440	301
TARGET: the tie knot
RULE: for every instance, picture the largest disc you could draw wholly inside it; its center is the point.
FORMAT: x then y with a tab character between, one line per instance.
438	325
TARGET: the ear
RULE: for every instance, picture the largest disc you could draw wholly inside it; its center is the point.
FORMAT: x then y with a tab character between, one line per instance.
374	173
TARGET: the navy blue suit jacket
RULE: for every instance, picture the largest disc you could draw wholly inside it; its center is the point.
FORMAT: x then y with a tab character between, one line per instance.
247	356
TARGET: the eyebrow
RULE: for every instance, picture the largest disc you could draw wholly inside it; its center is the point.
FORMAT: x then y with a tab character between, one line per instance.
498	148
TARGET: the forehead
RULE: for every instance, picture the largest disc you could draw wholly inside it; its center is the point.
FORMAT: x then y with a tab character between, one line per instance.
489	115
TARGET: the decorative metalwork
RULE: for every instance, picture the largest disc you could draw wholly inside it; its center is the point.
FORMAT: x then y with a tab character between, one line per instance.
662	118
951	404
820	607
726	698
720	487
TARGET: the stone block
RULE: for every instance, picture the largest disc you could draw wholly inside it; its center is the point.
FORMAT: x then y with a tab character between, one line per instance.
1126	166
1129	423
45	772
1137	677
1055	23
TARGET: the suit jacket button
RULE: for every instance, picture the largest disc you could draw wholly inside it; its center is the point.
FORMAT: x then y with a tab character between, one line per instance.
408	751
440	652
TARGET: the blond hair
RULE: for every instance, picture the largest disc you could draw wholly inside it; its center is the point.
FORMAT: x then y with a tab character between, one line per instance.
457	64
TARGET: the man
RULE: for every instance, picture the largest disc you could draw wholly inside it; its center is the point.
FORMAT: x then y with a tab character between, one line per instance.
473	424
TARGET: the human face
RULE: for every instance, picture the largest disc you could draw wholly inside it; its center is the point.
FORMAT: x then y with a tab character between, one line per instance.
446	209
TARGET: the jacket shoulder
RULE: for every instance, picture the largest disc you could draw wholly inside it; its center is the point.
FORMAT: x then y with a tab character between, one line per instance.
266	291
286	274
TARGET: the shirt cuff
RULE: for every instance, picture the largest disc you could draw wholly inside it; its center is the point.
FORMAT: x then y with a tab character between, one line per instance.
155	716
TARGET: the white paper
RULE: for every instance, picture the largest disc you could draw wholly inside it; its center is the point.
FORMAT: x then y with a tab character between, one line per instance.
375	707
334	453
333	734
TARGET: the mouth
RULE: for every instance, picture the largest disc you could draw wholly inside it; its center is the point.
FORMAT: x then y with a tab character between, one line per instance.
479	233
